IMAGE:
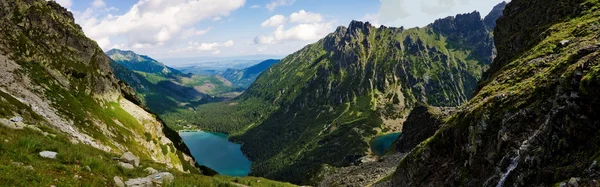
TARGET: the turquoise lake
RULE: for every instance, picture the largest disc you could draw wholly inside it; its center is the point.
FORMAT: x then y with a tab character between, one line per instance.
215	151
381	144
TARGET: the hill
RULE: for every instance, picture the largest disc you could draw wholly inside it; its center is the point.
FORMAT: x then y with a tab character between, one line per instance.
245	77
64	116
534	119
319	107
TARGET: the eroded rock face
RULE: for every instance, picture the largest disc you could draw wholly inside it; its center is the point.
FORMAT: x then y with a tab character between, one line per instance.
534	121
421	124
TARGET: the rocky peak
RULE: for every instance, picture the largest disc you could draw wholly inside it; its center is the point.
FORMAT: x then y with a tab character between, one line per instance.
495	14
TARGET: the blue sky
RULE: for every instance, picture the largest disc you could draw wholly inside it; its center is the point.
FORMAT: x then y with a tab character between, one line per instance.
220	28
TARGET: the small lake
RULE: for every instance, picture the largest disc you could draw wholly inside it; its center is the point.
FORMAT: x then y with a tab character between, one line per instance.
215	151
380	144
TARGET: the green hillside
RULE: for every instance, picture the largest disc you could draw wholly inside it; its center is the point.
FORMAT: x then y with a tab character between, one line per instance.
64	116
321	106
534	121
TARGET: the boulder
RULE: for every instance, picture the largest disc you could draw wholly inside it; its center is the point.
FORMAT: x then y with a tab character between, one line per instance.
151	170
126	165
118	181
162	178
573	182
128	157
139	182
16	119
48	154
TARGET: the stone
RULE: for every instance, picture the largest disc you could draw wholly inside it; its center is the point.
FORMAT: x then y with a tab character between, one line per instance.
87	168
118	181
139	182
151	170
16	119
574	182
564	43
128	157
17	163
29	167
77	177
126	165
48	154
162	178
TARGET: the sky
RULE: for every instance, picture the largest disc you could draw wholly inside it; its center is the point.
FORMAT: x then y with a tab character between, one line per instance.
224	28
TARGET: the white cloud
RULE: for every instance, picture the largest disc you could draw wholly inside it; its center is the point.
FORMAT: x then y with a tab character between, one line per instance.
218	18
156	22
65	3
310	27
255	6
188	33
98	4
274	21
103	42
277	3
302	32
229	43
372	18
420	13
305	17
203	47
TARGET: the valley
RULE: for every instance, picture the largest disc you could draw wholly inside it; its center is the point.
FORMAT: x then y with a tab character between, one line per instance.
508	98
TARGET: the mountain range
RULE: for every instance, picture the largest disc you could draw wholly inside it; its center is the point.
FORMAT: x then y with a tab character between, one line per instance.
509	99
322	105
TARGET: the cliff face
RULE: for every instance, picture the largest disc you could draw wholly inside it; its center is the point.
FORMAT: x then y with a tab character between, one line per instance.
326	101
64	78
534	121
422	122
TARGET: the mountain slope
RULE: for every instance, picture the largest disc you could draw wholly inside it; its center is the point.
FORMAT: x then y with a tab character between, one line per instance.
534	122
58	94
169	93
135	62
320	106
245	77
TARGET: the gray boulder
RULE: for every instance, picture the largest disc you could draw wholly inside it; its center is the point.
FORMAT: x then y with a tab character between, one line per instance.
16	119
48	154
139	182
151	170
128	157
126	165
118	181
162	178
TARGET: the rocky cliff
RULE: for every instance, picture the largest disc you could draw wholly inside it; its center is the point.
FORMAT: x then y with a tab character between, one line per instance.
534	120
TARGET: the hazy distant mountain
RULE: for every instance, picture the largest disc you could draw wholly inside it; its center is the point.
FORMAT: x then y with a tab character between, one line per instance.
135	62
245	77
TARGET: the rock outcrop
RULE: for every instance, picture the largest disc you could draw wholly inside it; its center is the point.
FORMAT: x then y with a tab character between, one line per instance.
534	120
422	122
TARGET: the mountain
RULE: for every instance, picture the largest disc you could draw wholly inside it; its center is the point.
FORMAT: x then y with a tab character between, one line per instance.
169	93
534	119
245	77
135	62
64	116
319	107
490	19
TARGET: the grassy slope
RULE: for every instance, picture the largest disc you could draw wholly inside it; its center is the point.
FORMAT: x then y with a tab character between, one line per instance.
540	86
73	79
322	104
